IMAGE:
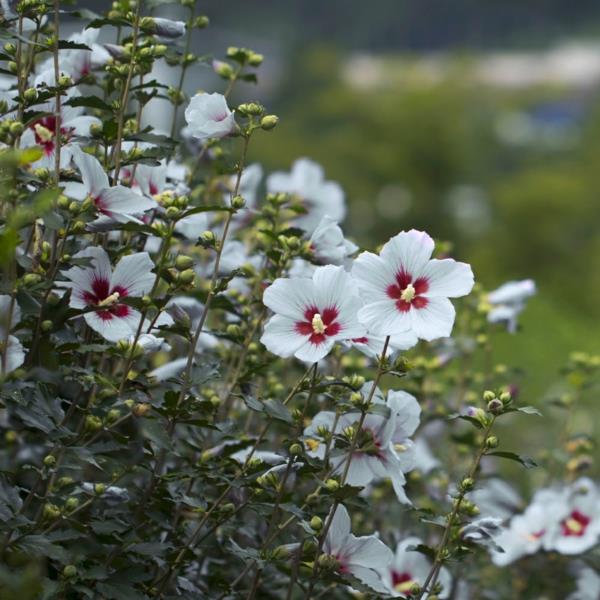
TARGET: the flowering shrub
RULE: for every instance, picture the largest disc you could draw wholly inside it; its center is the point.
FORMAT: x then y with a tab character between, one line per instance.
209	392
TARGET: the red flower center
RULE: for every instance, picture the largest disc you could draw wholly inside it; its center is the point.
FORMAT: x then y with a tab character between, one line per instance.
100	292
575	524
402	582
319	325
44	131
408	293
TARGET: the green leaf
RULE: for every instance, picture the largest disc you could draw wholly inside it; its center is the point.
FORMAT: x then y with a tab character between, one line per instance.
526	461
277	410
89	102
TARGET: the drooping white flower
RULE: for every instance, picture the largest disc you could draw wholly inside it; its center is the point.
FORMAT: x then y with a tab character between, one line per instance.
409	568
405	290
13	354
383	451
328	243
311	314
358	556
116	204
318	196
208	116
508	301
42	132
99	288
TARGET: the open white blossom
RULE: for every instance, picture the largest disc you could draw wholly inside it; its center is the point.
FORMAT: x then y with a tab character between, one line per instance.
99	290
405	290
311	314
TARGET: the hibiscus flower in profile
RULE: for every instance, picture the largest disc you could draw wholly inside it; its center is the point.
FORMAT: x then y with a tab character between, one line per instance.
208	116
409	567
311	314
319	197
116	204
98	290
405	290
508	301
11	349
357	556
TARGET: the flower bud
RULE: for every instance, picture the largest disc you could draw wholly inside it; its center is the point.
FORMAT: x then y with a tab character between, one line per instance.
99	488
269	122
492	442
51	511
16	128
295	449
488	395
47	325
49	460
237	202
255	59
183	262
316	523
65	81
30	94
332	485
186	277
72	503
141	409
505	398
11	436
70	571
113	415
495	406
208	238
93	423
467	484
172	212
201	22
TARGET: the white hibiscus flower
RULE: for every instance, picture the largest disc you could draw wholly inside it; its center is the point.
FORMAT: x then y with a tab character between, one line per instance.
358	556
100	289
409	568
116	204
405	290
311	314
208	116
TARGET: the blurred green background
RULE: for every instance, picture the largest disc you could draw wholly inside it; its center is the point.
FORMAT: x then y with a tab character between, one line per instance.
476	121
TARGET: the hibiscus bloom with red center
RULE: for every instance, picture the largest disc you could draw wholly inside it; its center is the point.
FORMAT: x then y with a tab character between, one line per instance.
311	314
99	288
405	290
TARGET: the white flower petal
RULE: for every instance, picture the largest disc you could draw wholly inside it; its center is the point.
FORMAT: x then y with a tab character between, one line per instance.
134	274
119	199
408	251
448	278
290	297
434	320
280	336
338	531
94	176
